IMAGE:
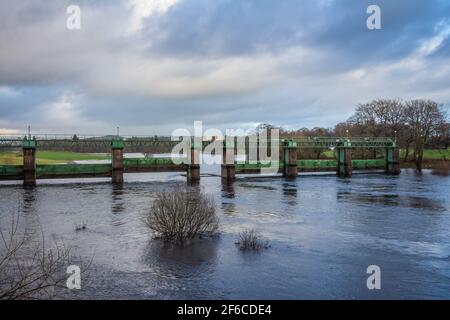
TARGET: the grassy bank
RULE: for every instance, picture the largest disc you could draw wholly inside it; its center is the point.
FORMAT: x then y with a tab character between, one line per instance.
438	159
430	154
49	157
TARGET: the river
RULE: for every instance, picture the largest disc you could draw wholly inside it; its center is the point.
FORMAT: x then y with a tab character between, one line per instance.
324	232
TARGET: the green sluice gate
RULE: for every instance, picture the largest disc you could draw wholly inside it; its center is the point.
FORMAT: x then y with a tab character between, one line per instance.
317	164
259	165
309	164
143	162
72	169
369	163
11	170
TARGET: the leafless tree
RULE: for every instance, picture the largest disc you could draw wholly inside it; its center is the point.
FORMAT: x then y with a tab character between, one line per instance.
28	269
178	214
424	118
381	116
305	133
414	123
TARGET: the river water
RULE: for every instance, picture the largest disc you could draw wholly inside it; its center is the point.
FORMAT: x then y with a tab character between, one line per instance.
324	232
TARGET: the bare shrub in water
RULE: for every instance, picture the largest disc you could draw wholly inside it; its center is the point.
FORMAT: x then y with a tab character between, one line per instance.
28	269
251	240
178	214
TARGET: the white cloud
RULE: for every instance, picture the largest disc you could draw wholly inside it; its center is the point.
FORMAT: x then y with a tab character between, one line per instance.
154	76
64	115
63	111
6	131
430	46
145	8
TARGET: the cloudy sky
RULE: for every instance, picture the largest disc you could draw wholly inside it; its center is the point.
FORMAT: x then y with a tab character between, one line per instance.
151	66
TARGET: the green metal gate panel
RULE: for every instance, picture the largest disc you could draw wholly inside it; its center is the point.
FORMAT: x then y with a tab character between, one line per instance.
11	170
316	164
259	165
143	162
72	169
368	163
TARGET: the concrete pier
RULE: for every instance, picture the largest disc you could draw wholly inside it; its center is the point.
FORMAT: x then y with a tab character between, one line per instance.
228	168
344	168
290	160
392	161
29	162
117	161
193	169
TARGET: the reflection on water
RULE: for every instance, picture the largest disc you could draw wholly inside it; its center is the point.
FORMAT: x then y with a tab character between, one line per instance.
323	231
29	197
117	199
290	193
189	261
228	192
393	200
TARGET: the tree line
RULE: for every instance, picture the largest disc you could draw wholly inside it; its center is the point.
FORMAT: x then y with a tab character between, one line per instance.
416	124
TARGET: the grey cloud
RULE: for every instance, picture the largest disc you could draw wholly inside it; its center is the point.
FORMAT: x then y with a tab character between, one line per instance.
225	27
228	63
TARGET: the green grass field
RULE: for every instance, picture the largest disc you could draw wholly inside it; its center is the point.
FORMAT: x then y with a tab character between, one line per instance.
431	154
49	157
328	153
52	157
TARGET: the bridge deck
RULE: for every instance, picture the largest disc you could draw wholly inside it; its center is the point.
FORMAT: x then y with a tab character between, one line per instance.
73	170
148	143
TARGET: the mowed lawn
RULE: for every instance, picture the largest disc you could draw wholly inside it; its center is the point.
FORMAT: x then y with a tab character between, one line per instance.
428	154
431	154
49	157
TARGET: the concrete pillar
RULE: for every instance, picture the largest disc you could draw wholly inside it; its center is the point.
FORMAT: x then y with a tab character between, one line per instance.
344	168
228	168
392	161
117	161
193	169
29	162
290	159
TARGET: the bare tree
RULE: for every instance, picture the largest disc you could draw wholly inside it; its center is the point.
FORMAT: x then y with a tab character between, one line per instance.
381	117
413	123
179	214
28	269
305	133
424	118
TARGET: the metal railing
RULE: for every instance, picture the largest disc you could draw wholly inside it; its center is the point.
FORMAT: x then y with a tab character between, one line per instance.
135	141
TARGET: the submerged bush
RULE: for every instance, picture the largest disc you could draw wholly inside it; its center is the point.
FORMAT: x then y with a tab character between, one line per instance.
178	214
251	240
80	227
